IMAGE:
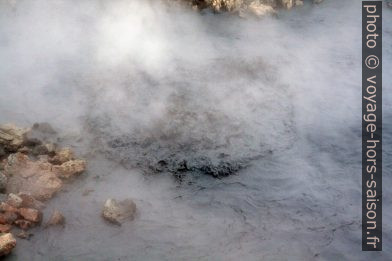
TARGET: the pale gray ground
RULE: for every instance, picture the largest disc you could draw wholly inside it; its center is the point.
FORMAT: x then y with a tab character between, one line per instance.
289	85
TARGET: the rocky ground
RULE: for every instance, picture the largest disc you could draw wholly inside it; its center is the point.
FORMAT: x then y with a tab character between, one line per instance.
32	170
245	7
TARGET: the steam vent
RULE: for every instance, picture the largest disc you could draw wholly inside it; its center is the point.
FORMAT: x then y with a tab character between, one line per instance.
188	128
195	130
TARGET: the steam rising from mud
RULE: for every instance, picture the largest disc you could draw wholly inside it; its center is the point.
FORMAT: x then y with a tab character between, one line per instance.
156	93
201	118
166	89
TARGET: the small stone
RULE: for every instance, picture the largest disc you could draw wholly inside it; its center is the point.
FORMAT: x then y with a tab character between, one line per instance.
24	224
260	9
57	219
31	214
118	211
14	200
7	243
5	228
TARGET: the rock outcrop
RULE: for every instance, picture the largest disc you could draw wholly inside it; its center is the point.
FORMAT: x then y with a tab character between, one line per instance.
32	171
43	177
256	7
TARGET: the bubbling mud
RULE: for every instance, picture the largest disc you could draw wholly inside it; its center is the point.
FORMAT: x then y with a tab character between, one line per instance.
213	120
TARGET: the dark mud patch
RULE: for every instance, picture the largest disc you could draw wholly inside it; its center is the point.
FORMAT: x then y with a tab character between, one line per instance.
208	123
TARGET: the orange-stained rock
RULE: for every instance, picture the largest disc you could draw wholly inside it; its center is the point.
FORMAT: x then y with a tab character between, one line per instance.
3	219
20	165
8	218
7	243
5	228
70	169
44	186
31	177
4	207
31	214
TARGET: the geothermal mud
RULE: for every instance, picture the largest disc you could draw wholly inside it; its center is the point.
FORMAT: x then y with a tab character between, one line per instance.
169	89
213	119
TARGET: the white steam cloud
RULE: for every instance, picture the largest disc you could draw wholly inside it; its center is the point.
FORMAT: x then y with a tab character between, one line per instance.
275	100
